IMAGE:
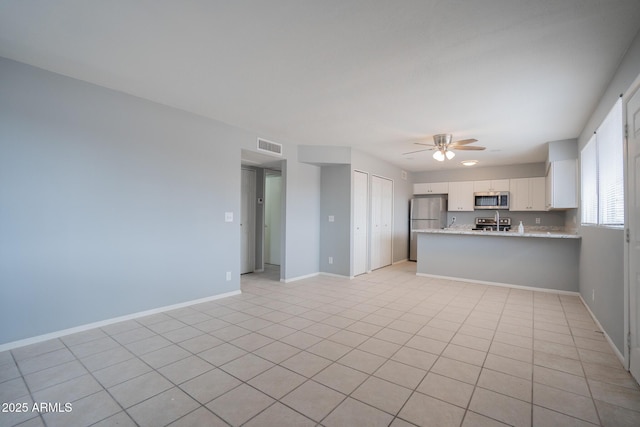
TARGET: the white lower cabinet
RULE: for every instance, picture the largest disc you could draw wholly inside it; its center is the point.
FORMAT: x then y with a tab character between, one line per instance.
460	196
527	194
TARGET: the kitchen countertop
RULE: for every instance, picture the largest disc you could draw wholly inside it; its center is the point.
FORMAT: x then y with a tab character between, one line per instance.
513	233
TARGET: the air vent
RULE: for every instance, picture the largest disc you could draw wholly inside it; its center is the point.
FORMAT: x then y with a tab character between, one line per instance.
269	147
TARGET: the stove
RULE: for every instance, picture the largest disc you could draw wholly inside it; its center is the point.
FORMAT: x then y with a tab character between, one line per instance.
489	224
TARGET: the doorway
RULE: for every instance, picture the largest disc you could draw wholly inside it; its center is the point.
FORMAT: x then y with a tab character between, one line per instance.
262	204
272	218
247	220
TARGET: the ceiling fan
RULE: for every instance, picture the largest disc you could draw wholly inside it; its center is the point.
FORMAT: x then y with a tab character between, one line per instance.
443	146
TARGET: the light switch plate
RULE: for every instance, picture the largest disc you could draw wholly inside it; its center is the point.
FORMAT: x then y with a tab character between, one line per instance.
332	218
228	217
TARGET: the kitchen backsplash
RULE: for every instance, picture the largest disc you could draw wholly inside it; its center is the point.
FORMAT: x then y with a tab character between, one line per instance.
527	228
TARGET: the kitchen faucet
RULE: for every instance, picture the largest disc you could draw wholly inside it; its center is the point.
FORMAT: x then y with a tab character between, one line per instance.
453	220
497	218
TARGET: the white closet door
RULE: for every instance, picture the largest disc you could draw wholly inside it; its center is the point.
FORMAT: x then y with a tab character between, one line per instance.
386	213
381	221
360	201
247	221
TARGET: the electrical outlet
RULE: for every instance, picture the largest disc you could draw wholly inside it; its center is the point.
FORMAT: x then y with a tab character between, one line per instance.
228	275
593	295
332	218
330	260
537	220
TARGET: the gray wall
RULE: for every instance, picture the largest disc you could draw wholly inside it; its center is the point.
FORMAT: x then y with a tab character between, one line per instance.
526	170
526	261
112	205
602	272
302	219
603	248
547	219
562	150
335	199
109	204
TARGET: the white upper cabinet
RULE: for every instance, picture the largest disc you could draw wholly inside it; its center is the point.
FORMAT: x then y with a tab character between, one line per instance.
491	185
527	194
431	188
562	185
461	196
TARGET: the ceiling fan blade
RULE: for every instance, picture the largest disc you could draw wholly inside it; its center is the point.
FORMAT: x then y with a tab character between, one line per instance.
422	143
418	151
470	147
464	142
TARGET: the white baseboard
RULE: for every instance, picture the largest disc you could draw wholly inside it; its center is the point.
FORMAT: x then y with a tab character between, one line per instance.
295	279
336	275
308	276
531	288
606	335
504	285
86	327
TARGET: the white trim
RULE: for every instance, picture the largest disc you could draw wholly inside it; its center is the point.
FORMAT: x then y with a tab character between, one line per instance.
400	262
86	327
504	285
342	276
295	279
626	97
606	335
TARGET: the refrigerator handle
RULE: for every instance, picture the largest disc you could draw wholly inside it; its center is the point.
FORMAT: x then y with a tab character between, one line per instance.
410	215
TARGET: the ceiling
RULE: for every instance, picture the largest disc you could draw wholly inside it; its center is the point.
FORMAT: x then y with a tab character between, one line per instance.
374	75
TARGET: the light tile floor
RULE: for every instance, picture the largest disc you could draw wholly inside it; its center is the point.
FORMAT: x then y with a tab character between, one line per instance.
385	349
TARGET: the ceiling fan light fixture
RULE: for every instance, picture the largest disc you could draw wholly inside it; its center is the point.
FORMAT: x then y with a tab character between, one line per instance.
442	139
439	156
450	154
469	162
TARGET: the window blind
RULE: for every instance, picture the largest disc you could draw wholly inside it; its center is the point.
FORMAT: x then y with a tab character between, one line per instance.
609	139
602	172
589	182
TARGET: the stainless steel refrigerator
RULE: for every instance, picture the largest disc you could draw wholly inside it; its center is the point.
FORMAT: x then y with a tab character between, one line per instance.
425	212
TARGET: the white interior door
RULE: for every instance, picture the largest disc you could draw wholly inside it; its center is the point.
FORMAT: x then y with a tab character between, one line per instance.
247	221
633	222
381	221
360	201
387	222
272	212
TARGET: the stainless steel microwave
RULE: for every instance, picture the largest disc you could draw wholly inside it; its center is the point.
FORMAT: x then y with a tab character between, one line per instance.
491	200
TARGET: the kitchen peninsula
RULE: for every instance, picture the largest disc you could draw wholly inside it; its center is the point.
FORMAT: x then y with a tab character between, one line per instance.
547	260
